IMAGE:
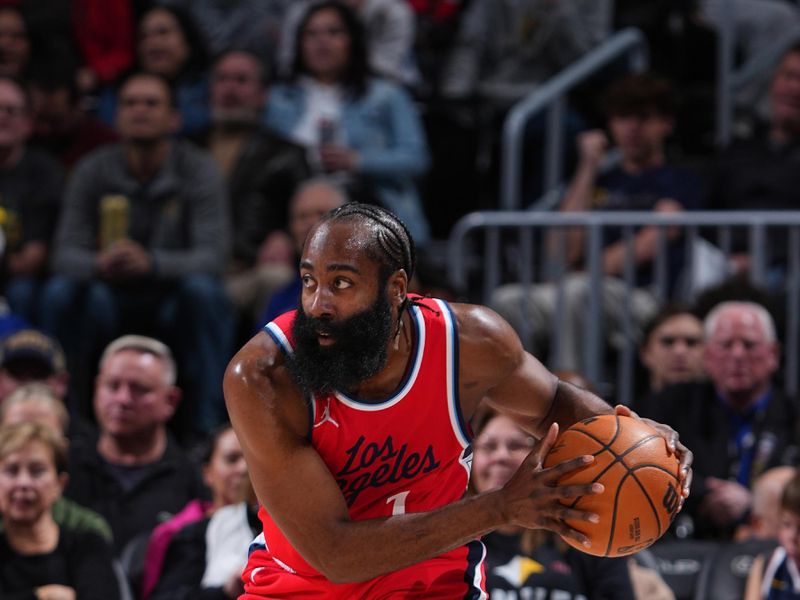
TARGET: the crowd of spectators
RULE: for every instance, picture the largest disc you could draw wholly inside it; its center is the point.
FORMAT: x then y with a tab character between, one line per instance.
161	162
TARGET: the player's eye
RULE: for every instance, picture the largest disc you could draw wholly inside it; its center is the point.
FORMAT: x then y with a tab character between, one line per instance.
307	281
341	284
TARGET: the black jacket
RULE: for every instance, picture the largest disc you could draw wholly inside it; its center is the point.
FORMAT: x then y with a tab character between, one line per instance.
693	410
260	185
169	484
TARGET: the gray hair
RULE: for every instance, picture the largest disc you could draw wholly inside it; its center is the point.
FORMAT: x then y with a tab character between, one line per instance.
144	345
761	313
36	393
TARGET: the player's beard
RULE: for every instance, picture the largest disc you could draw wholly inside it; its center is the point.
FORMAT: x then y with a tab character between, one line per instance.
359	352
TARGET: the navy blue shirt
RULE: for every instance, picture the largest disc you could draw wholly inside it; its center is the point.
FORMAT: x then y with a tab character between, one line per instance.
618	190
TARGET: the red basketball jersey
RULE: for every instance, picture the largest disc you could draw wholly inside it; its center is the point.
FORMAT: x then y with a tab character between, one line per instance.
406	453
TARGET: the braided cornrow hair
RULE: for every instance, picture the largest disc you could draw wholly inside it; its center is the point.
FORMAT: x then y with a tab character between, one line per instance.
391	246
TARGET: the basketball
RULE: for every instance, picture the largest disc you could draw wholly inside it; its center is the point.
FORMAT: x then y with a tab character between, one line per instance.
642	490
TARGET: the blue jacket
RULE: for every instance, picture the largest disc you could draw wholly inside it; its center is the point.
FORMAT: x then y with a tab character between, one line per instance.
384	128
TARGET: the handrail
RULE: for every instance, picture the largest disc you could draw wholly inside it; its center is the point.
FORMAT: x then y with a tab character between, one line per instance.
550	96
731	80
520	218
525	222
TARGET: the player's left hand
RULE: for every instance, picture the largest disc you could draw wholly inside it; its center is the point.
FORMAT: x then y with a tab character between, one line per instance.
674	445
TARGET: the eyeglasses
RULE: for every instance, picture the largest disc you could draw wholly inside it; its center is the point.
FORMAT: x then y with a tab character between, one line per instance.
671	340
518	446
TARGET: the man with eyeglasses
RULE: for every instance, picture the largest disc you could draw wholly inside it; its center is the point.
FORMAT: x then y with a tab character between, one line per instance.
739	422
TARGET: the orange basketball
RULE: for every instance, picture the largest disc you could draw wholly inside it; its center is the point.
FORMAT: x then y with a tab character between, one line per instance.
641	494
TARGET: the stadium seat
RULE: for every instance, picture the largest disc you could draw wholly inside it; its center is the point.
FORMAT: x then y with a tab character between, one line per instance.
680	564
726	574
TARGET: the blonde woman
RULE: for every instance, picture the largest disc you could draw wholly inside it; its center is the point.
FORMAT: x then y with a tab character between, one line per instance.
38	558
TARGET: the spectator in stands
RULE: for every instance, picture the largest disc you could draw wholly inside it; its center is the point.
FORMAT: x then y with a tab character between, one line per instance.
30	198
60	125
763	522
672	348
141	244
312	200
775	577
37	403
389	26
205	557
640	116
756	26
28	356
739	423
15	43
533	563
262	170
170	45
39	558
761	173
671	351
253	25
103	32
504	48
135	474
362	130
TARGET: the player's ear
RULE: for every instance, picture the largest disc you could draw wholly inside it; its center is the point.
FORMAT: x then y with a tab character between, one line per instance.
398	286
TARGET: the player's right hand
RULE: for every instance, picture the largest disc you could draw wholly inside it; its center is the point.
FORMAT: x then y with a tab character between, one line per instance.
531	496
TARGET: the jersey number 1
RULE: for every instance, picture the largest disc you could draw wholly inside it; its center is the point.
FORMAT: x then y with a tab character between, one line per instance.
398	503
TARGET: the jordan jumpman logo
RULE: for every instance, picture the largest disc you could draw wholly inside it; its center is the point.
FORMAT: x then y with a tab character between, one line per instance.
326	416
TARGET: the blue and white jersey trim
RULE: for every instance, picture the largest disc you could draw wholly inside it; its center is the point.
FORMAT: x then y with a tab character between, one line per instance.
280	338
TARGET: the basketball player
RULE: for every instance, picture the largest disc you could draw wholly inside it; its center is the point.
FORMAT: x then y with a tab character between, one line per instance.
352	416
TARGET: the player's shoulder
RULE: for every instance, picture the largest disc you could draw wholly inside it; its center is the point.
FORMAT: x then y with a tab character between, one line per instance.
481	328
258	379
261	356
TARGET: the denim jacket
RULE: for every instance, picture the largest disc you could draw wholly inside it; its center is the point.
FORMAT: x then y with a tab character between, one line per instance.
384	128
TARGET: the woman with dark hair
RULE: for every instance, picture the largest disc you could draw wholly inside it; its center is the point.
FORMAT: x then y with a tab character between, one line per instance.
204	559
534	563
169	44
362	130
225	475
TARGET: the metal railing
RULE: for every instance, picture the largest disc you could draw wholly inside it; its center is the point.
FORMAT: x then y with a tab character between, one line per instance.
551	97
730	79
488	257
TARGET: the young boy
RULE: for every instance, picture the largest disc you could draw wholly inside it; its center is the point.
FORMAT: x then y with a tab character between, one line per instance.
777	577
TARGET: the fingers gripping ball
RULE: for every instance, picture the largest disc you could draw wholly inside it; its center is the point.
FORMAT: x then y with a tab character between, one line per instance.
642	490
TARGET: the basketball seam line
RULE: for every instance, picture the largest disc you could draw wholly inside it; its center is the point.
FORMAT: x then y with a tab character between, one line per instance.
619	459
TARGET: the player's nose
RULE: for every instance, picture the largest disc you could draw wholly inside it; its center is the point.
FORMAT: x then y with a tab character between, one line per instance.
319	304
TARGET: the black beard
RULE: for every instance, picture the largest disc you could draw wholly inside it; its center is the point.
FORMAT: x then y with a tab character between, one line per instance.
359	352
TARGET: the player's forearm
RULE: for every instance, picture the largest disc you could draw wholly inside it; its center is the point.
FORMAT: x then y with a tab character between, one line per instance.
572	404
362	550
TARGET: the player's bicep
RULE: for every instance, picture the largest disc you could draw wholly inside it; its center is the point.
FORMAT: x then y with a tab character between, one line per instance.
495	366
